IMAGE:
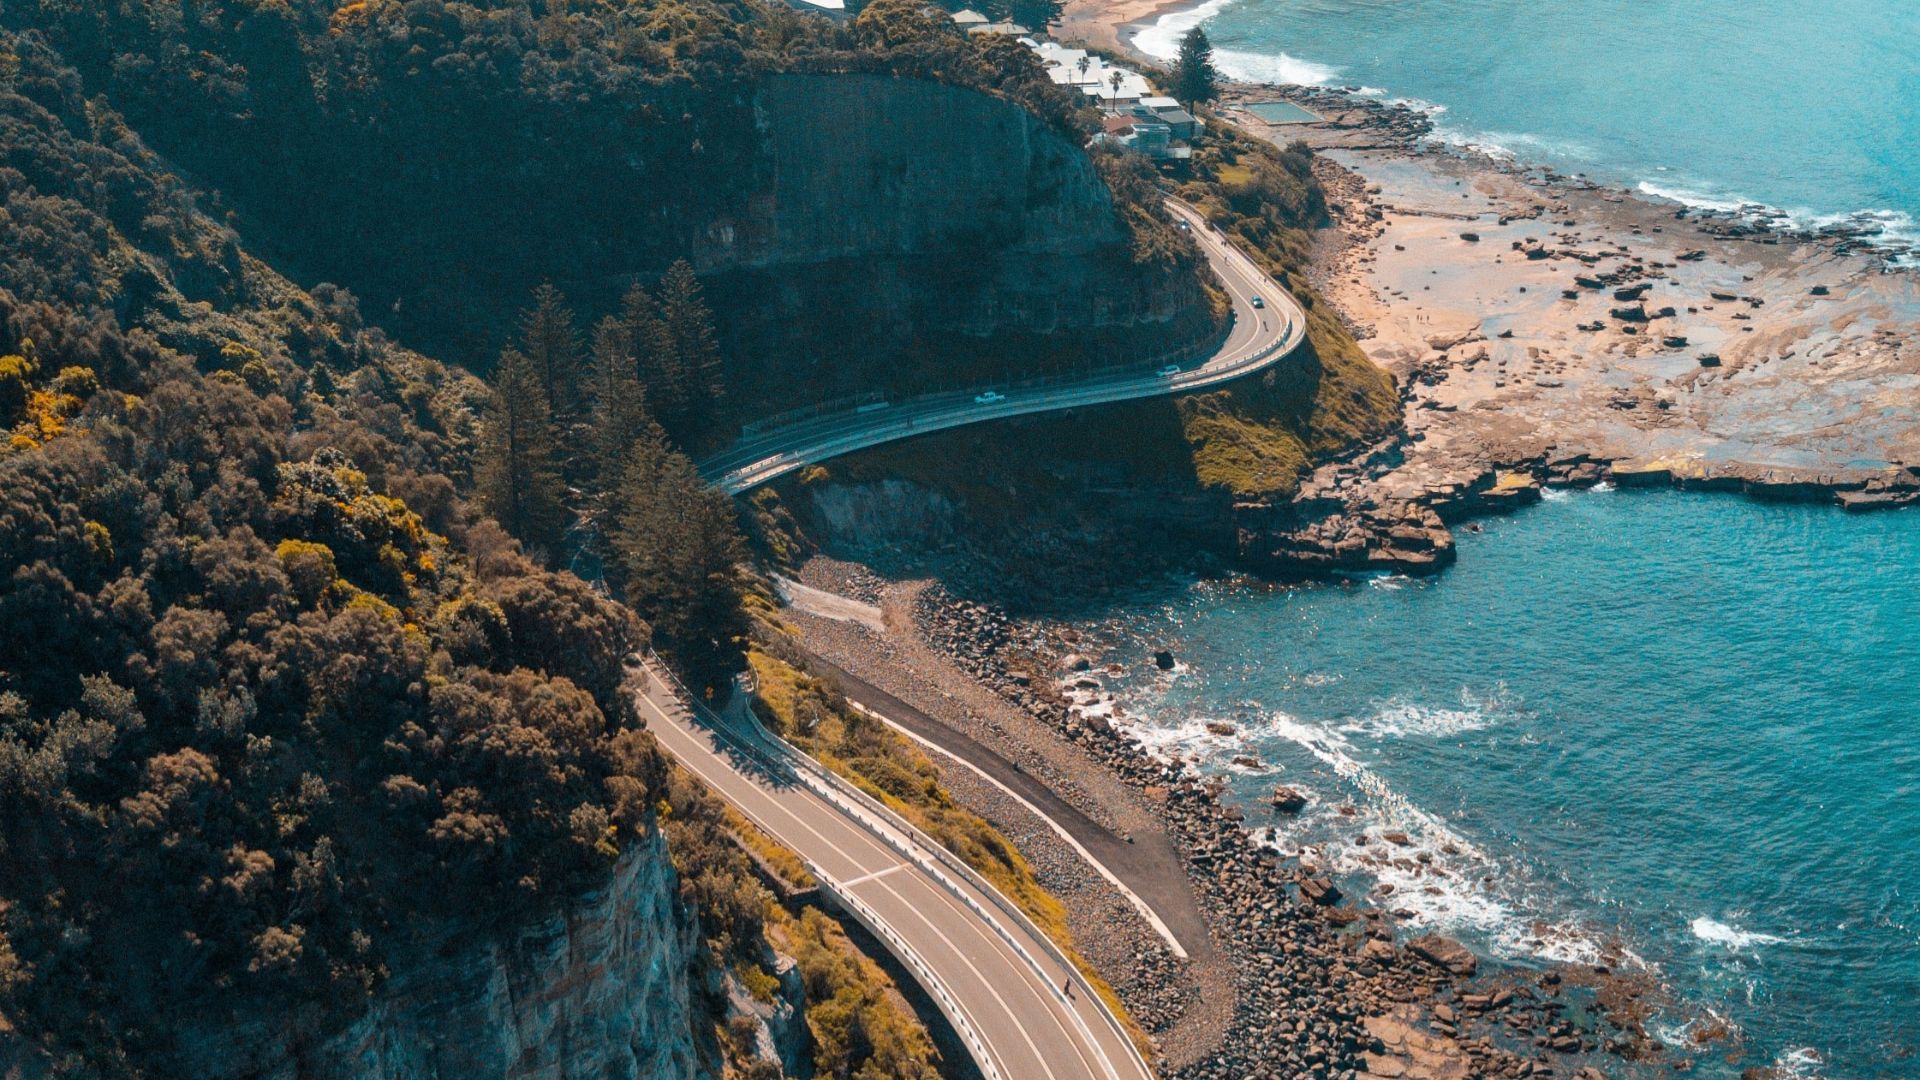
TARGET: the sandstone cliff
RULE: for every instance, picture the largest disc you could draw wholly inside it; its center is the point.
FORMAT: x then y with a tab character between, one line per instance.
610	987
896	221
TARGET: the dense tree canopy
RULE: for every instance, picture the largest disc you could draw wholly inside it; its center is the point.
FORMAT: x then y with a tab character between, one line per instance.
277	708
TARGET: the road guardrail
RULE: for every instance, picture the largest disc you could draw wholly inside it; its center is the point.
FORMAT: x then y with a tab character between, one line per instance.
910	843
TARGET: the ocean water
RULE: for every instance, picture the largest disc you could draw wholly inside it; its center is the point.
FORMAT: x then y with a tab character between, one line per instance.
1681	731
1808	108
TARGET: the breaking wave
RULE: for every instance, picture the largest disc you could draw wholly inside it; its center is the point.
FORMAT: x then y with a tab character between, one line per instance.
1715	932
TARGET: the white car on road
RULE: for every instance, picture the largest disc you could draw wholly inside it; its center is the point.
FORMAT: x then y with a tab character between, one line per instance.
1170	371
989	397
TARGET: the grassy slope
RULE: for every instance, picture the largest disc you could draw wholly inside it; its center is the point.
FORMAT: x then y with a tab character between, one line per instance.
1259	438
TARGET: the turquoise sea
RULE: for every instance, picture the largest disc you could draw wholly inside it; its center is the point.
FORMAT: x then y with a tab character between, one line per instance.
1685	727
1808	108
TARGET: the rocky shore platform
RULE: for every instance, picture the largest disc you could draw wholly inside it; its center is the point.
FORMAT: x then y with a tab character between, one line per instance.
1546	330
1303	980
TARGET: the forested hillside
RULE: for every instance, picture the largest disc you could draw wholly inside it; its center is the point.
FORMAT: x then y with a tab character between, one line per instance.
282	712
442	159
296	696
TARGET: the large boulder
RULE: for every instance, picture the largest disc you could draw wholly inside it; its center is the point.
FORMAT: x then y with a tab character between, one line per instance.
1320	891
1445	953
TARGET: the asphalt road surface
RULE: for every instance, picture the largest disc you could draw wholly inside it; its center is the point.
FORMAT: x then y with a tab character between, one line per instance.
1023	1014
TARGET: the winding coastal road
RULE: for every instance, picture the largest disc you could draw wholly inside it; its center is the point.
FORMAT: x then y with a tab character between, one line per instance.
1013	998
1020	1007
1259	337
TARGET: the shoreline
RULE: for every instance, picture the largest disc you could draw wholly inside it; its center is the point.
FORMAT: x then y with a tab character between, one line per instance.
1548	330
1122	22
1315	979
1504	397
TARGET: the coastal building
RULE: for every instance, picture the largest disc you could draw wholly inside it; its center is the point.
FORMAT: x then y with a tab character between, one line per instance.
1010	29
1139	130
832	9
967	18
1133	115
1184	124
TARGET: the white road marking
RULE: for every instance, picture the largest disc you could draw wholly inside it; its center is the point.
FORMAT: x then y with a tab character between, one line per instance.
1139	903
875	876
775	805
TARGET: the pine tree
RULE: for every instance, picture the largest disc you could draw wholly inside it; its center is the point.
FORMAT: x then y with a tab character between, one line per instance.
1034	14
619	403
552	345
689	326
1195	79
680	550
660	372
518	479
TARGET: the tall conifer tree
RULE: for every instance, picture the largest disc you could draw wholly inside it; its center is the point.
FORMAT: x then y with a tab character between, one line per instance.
620	416
1195	79
689	326
680	550
552	345
660	370
517	476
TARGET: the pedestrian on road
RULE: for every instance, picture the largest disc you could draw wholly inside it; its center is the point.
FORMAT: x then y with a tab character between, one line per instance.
1067	986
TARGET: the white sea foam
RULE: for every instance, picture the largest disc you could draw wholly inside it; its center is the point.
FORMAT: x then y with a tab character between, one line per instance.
1162	40
1188	738
1894	228
1555	494
1442	879
1715	932
1510	146
1398	720
1280	68
1803	1062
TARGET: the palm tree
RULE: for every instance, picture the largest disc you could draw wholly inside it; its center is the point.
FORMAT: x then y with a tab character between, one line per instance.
1083	65
1117	79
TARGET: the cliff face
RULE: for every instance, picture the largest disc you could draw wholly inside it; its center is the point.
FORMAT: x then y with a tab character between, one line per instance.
604	989
896	217
868	165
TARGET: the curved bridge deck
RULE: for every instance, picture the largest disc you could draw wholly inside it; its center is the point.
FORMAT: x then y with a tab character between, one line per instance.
1259	337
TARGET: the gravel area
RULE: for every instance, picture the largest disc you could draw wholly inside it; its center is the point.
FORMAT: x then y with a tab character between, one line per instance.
1156	986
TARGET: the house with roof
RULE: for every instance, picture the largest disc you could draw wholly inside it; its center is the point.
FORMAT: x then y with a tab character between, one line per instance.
1133	115
1184	124
966	18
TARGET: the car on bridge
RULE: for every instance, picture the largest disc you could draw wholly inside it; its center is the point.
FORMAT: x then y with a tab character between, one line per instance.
989	397
1259	303
1170	371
